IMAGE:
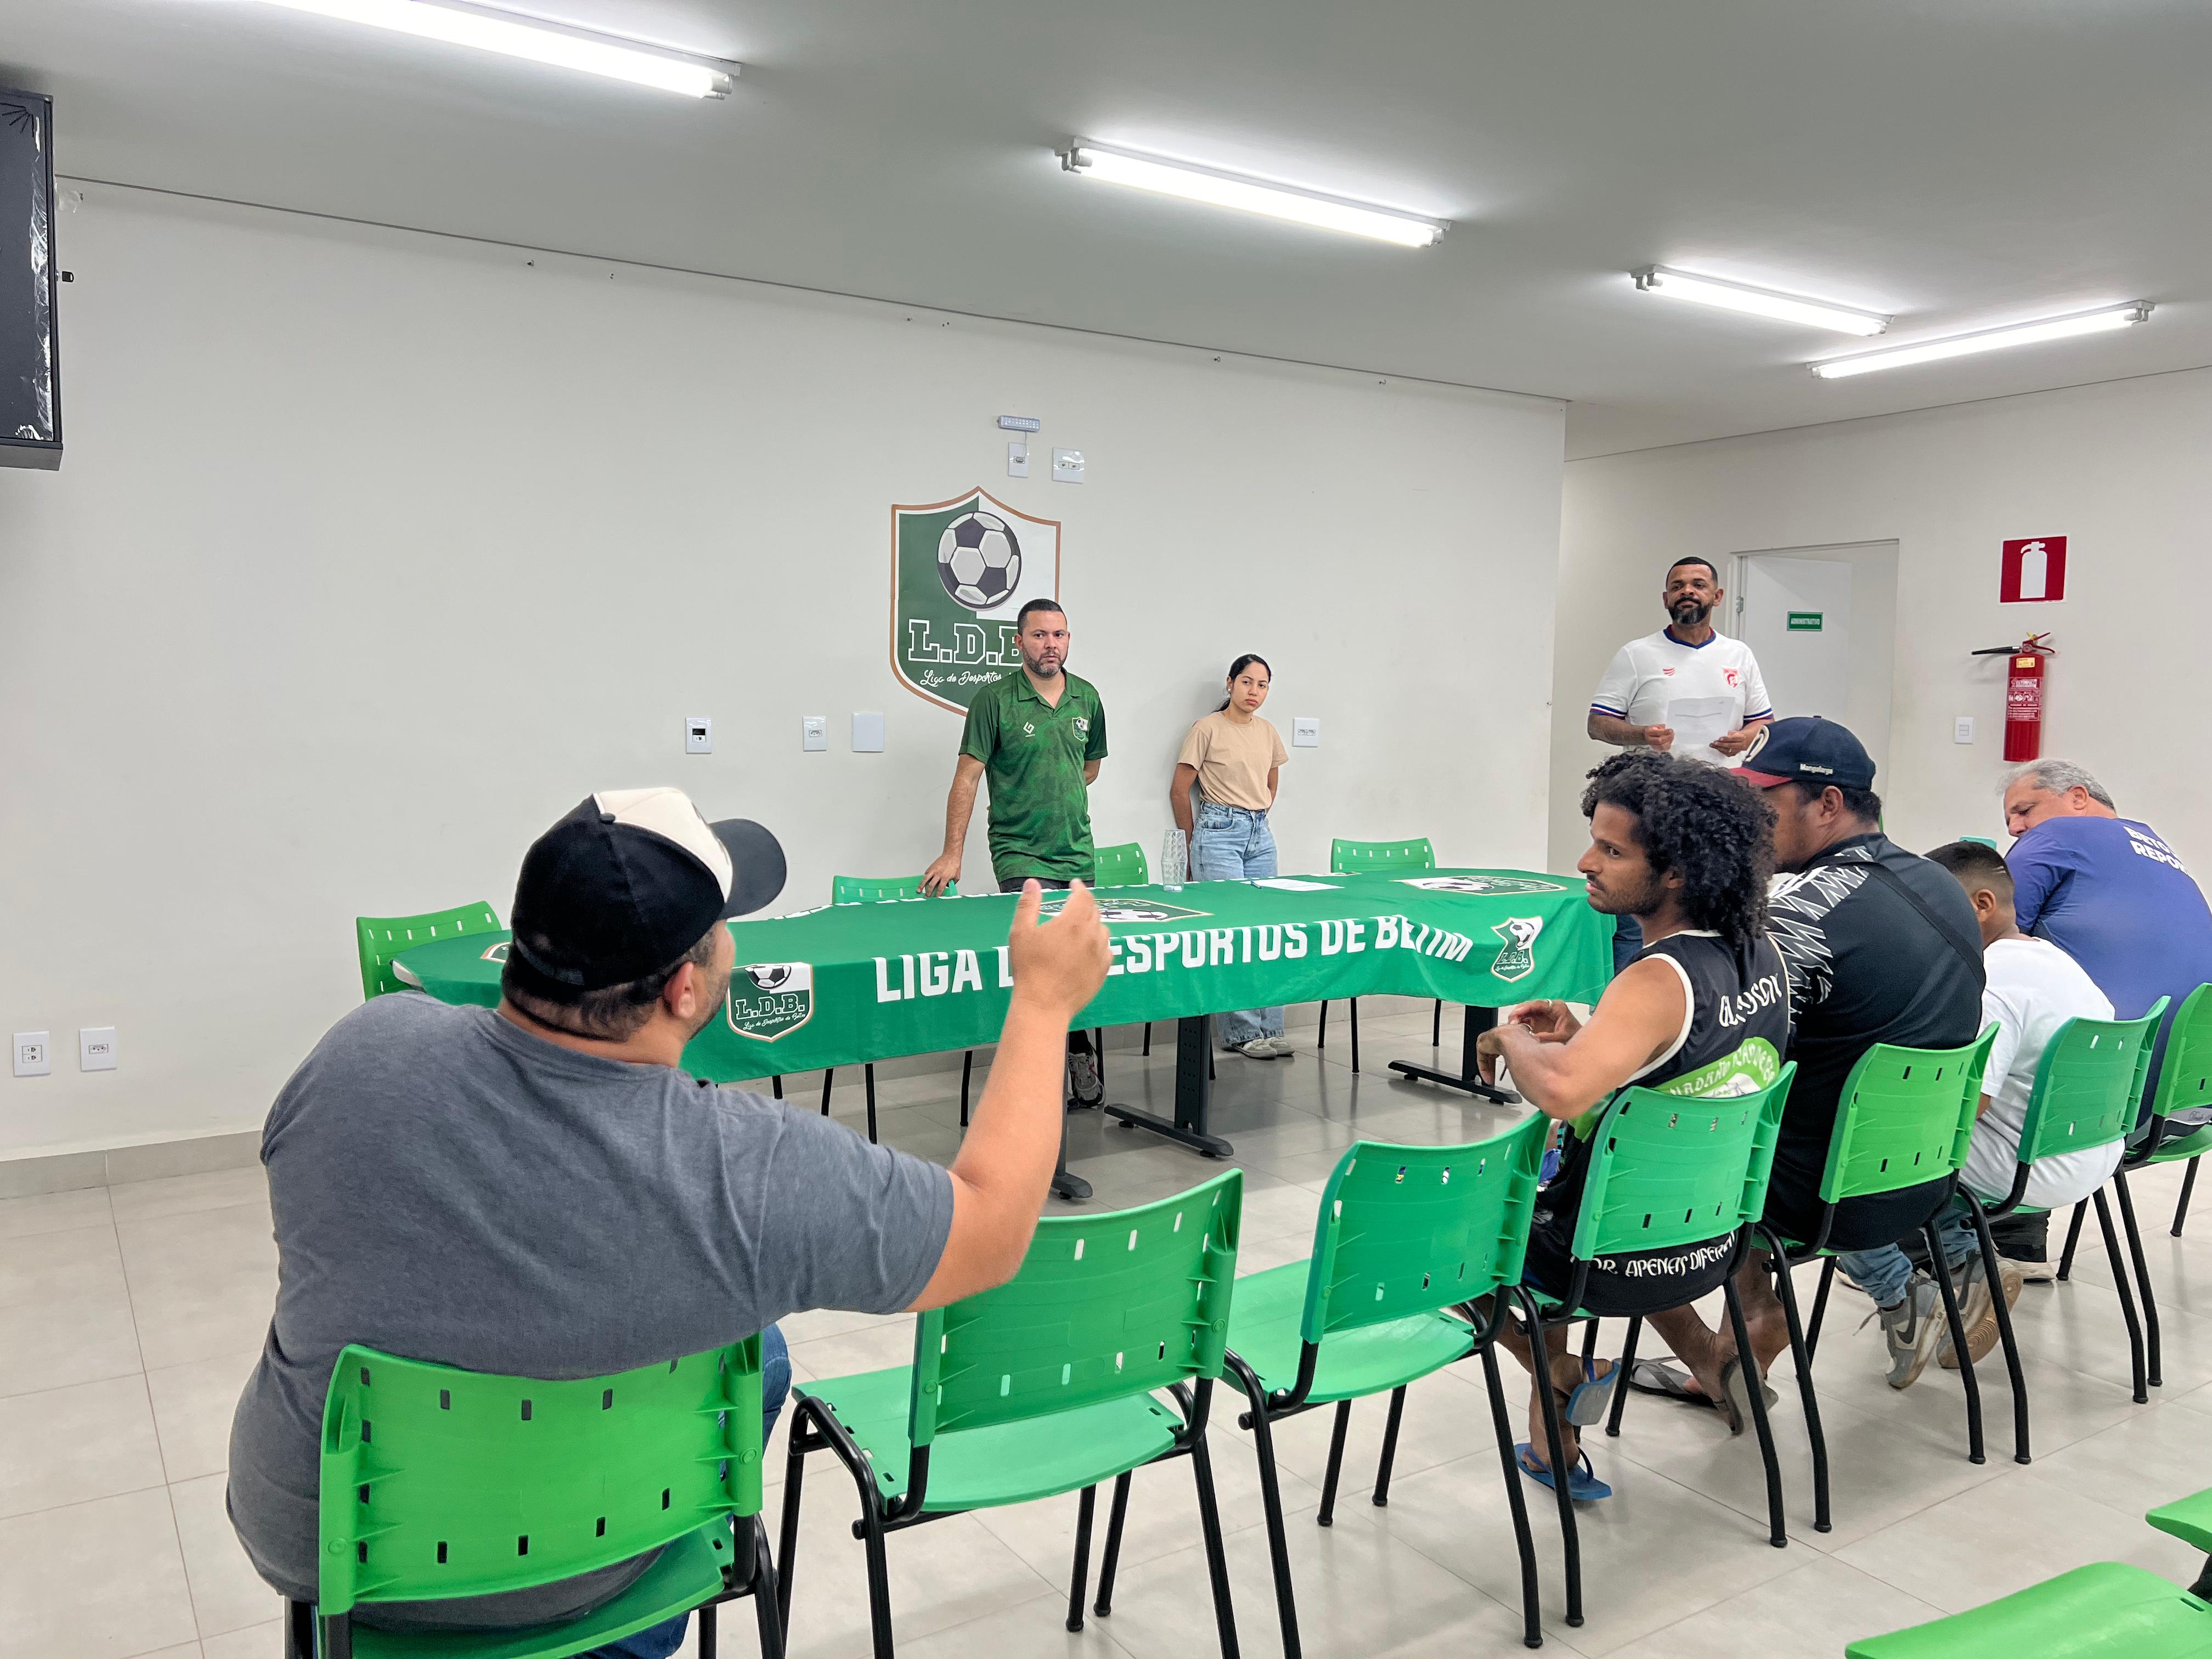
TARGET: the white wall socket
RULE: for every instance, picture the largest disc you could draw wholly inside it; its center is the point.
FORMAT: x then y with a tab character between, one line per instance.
34	1054
96	1048
1305	731
1068	466
1017	459
814	734
698	735
1962	729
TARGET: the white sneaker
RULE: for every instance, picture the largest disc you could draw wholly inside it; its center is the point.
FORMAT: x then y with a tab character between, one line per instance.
1259	1048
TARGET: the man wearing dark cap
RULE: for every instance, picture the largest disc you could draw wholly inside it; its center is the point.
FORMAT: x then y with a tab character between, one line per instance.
1882	946
539	1190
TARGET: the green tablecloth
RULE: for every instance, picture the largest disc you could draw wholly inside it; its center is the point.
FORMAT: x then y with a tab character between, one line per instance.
869	982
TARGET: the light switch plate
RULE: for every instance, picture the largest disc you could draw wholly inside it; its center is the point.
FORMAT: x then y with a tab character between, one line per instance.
814	734
96	1048
698	735
34	1054
1962	729
1018	461
1068	466
867	734
1305	731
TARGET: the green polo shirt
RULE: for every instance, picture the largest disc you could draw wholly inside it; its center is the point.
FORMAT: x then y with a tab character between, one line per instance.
1033	753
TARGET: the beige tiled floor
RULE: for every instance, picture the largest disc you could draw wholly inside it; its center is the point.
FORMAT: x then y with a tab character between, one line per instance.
129	1315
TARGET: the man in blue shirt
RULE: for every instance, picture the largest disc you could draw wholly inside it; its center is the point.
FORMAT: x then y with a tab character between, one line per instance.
2108	891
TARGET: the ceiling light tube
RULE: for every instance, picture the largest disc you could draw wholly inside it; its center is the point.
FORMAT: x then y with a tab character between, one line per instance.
1231	190
491	29
1758	301
1987	339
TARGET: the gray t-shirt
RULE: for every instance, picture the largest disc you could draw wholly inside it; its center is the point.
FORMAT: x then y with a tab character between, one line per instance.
446	1187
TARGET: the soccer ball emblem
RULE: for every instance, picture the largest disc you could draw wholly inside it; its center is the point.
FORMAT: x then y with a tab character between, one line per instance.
769	975
979	561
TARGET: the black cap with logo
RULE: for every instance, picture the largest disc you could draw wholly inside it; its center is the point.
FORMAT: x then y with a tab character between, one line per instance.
630	880
1805	749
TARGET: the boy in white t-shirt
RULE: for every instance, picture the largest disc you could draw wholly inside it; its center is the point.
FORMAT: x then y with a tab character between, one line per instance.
2033	987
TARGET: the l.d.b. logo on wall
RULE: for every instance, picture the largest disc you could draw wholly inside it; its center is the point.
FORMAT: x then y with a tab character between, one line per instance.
961	571
771	999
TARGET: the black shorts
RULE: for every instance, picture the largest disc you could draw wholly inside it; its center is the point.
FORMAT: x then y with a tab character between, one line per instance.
1634	1282
1020	882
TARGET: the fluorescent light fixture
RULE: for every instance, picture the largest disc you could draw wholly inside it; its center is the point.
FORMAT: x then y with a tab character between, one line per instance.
491	29
1231	190
1758	301
1987	339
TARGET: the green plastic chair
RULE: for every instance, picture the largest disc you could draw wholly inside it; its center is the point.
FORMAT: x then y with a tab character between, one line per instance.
1121	865
1408	1240
2104	1611
379	939
883	890
2190	1519
2185	1081
437	1483
1359	858
1044	1386
1666	1170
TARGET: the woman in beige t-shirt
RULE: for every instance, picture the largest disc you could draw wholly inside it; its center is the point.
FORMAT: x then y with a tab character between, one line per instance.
1233	758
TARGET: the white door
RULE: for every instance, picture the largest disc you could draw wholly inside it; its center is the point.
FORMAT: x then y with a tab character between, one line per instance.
1795	615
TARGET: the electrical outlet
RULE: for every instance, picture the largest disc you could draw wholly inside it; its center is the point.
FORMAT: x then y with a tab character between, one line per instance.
1068	466
1305	731
814	734
1018	461
1962	729
96	1048
34	1054
698	735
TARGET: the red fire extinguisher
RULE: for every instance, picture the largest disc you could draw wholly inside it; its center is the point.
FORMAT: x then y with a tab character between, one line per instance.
2023	731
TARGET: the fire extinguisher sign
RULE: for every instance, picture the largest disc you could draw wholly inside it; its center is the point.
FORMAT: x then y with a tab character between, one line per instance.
2034	569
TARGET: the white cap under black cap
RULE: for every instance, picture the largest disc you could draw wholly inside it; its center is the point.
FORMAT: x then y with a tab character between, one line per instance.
631	879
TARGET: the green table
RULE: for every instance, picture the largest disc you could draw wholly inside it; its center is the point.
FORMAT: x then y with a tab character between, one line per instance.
854	982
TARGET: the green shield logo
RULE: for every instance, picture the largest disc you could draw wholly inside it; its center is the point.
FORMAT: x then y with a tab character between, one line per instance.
961	571
771	999
1517	960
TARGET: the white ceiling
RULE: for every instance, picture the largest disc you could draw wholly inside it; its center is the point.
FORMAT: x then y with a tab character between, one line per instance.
1959	164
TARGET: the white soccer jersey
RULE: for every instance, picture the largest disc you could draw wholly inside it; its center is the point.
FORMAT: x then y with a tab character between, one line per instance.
1703	691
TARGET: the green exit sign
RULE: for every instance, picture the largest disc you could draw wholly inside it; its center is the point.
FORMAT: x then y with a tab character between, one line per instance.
1805	622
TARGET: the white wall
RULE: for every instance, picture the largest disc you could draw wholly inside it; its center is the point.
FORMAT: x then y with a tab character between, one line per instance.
373	553
2121	470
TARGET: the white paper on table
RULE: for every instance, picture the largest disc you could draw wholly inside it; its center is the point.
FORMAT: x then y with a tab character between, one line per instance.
1698	721
1293	884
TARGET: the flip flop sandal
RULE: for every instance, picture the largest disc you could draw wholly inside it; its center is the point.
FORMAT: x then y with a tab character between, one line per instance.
1739	1402
1669	1382
1587	1406
1582	1483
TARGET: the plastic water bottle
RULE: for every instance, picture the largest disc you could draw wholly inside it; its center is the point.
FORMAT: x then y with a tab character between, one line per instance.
1175	852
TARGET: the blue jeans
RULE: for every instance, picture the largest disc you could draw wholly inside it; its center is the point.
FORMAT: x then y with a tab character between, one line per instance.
1233	843
1884	1271
659	1641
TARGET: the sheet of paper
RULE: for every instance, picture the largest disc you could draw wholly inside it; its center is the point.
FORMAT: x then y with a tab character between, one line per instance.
1698	721
1293	884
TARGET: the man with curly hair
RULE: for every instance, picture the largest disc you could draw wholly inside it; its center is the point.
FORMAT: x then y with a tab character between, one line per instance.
1703	1009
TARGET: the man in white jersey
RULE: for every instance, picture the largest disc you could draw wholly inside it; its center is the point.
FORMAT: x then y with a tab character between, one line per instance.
1686	690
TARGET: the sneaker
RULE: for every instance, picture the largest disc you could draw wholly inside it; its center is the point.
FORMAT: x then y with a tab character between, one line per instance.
1911	1329
1978	1312
1085	1088
1259	1048
2035	1273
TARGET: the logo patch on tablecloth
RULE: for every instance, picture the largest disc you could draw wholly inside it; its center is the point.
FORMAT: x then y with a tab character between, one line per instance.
961	571
771	999
1113	909
1518	958
1492	884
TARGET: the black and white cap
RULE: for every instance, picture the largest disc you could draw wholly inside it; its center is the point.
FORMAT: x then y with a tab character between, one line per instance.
630	880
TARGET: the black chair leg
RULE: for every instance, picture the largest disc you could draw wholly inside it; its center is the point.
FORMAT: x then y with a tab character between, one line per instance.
1355	1034
2142	1273
2127	1298
1437	1025
1994	1270
1820	1306
2188	1186
1271	1511
1381	1496
1501	1425
828	1076
967	1071
1754	1390
1555	1453
767	1597
1112	1559
1326	1515
775	1083
879	1582
2073	1237
1589	1342
1079	1578
1217	1558
1321	1036
1098	1055
710	1630
1621	1390
1940	1272
299	1631
1801	1355
1148	1039
869	1074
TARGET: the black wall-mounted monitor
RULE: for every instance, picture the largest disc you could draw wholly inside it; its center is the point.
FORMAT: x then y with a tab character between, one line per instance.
30	359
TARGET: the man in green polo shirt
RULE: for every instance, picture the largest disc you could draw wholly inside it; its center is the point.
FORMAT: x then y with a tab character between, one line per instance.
1038	736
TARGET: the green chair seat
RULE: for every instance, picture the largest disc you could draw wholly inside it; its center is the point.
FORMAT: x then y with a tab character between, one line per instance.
1001	1463
379	939
2102	1609
2188	1146
2189	1519
1266	1332
685	1575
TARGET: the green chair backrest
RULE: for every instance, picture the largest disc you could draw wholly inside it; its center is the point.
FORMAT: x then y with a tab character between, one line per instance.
1357	858
2189	1519
1408	1229
2088	1084
1104	1307
1123	866
875	889
1678	1169
2185	1079
1981	840
1905	1115
438	1482
382	938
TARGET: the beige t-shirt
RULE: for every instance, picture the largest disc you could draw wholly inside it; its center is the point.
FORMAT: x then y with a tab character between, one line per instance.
1233	760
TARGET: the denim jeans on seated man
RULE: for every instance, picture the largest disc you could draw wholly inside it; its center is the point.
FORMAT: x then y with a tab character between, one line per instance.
1884	1271
1233	843
659	1641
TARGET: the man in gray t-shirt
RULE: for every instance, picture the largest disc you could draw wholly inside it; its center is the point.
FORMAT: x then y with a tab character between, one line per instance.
539	1191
